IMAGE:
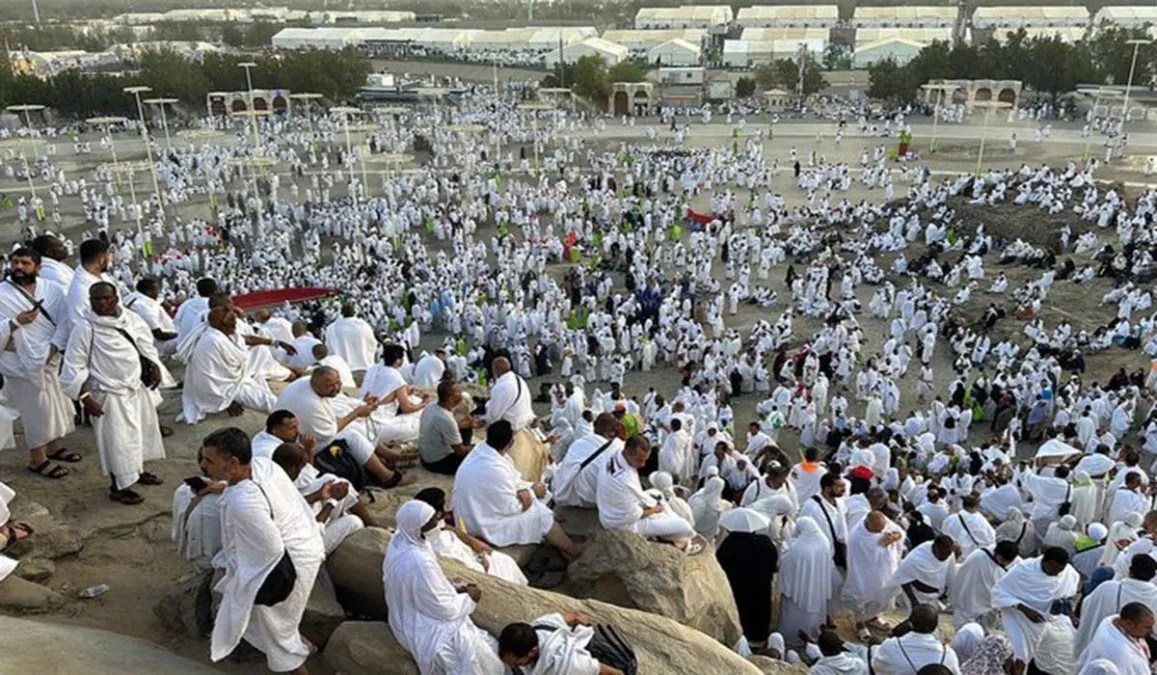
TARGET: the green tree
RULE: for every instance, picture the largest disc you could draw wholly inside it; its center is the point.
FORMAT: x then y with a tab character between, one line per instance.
744	87
627	71
232	35
888	81
784	74
590	78
1113	57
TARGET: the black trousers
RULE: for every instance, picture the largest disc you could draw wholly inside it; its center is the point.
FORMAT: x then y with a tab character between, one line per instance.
447	466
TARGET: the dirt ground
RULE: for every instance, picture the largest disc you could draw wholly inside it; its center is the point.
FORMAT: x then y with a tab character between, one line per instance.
128	548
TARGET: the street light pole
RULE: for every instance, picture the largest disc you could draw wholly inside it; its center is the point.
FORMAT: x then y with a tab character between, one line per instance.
136	92
249	66
1129	83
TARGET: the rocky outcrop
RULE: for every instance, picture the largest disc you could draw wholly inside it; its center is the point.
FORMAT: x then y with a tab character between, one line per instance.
356	570
769	666
662	645
35	647
367	648
625	569
323	614
26	597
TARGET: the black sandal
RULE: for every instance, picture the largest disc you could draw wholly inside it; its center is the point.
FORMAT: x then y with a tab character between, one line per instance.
394	481
11	538
126	497
49	470
147	478
65	455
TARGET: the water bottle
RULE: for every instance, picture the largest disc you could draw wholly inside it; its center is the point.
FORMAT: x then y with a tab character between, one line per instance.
94	591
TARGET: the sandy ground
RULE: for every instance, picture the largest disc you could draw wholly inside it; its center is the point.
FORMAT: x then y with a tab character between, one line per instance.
128	548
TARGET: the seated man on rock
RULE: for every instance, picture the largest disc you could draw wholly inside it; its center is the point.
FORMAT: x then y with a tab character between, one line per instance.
495	504
333	500
218	373
197	517
314	401
555	644
454	542
623	505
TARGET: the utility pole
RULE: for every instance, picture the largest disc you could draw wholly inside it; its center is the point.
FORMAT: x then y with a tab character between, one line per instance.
802	65
35	11
561	62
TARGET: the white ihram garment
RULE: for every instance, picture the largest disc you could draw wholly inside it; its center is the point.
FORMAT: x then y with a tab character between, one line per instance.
621	501
1027	584
218	373
30	369
253	541
428	617
870	567
99	355
352	339
485	499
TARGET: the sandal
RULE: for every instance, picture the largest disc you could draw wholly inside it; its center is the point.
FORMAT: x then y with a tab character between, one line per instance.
147	478
65	455
49	470
166	431
12	534
398	479
126	497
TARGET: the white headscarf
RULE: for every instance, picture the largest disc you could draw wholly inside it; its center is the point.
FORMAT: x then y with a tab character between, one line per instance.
967	639
706	505
805	571
411	518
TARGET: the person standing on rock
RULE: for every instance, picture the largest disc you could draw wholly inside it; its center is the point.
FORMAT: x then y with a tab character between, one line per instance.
430	616
31	310
510	401
264	519
111	366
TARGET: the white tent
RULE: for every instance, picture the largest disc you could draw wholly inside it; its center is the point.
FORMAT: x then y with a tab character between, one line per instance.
897	49
675	53
736	54
612	53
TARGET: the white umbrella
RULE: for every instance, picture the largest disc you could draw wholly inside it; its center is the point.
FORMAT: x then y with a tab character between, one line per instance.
744	520
1054	448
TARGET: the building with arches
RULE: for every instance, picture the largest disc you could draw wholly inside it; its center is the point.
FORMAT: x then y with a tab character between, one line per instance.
968	92
230	103
632	98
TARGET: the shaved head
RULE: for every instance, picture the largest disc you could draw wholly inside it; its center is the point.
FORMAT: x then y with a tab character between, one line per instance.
875	522
500	366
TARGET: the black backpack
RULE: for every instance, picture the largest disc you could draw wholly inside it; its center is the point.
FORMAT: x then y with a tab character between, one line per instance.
610	648
336	458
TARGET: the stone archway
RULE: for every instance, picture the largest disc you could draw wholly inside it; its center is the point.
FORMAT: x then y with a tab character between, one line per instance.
217	106
280	104
260	103
982	94
1007	95
622	103
960	95
238	105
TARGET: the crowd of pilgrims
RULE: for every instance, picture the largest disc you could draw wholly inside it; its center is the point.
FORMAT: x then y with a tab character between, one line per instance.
465	246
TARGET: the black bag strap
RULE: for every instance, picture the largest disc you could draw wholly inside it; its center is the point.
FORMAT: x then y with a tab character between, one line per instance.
125	334
32	299
828	518
966	530
1023	529
595	455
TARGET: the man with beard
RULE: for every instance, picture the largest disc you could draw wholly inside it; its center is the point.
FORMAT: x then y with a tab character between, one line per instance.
31	336
95	260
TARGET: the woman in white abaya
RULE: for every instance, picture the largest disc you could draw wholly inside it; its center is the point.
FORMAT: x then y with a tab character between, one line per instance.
429	617
707	505
805	582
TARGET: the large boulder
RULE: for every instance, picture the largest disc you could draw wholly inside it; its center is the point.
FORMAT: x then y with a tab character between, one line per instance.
367	648
625	569
356	570
35	647
662	645
769	666
26	597
189	607
323	614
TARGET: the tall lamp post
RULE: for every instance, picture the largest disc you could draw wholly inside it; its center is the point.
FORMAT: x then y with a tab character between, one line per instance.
988	106
136	92
1129	83
249	66
346	112
941	90
1098	93
161	103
